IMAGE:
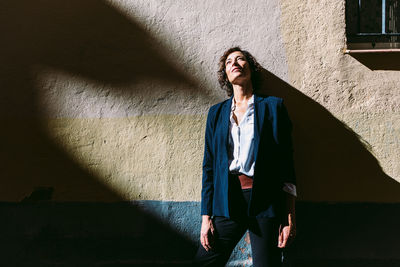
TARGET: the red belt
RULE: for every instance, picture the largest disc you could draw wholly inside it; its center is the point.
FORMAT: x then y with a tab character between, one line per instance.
246	182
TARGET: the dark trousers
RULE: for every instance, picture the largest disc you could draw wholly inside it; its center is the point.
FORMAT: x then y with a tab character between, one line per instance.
228	232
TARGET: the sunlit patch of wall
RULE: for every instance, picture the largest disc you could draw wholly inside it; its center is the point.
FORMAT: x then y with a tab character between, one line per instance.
365	100
136	142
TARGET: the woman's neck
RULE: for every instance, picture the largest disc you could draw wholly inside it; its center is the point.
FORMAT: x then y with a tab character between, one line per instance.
242	93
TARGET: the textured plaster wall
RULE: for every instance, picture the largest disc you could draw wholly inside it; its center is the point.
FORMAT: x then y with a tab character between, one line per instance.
365	100
146	157
128	107
106	100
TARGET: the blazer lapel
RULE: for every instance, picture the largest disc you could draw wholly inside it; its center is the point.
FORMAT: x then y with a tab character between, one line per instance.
225	112
259	113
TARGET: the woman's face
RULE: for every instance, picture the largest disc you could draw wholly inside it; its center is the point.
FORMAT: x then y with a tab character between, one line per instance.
237	68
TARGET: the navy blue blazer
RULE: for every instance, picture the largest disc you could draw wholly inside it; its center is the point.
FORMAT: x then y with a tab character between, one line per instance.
273	159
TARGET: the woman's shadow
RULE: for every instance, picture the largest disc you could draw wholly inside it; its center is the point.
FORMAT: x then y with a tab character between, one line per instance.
345	196
333	163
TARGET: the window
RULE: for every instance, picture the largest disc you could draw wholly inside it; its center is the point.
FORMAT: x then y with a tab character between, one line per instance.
373	25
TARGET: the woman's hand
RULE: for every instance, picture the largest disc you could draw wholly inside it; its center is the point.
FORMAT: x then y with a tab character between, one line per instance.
207	233
287	232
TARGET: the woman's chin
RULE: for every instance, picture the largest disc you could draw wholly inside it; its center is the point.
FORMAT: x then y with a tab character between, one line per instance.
240	80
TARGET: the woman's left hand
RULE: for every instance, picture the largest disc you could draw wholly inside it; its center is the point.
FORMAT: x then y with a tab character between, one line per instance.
287	233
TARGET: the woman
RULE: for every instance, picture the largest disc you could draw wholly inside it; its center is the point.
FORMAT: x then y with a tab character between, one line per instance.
248	175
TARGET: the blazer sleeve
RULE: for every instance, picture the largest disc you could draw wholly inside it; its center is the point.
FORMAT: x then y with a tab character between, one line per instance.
207	190
285	145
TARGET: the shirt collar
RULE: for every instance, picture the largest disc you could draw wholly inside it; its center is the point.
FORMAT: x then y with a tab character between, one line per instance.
250	106
250	102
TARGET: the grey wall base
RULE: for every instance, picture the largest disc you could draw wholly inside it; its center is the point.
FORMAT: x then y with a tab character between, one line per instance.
157	233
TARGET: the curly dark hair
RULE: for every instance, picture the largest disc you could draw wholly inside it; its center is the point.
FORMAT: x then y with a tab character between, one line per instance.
255	68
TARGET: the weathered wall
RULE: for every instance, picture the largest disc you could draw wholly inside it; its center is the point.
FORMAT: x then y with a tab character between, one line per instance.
105	101
123	87
366	102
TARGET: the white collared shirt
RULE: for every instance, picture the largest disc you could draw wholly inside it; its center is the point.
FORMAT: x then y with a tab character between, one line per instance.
241	145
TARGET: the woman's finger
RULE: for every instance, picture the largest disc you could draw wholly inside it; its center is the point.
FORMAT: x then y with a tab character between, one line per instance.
285	236
280	237
205	242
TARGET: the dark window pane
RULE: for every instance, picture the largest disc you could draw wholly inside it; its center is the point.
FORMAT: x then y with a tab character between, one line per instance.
371	16
366	19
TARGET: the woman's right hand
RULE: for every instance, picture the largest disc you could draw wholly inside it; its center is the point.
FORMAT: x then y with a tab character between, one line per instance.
207	233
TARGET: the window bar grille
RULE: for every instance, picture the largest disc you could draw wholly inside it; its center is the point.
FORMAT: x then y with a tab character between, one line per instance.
359	17
383	31
383	16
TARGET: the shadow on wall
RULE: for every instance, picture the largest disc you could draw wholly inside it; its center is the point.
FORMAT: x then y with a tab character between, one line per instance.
93	40
89	234
338	179
332	163
379	61
89	39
